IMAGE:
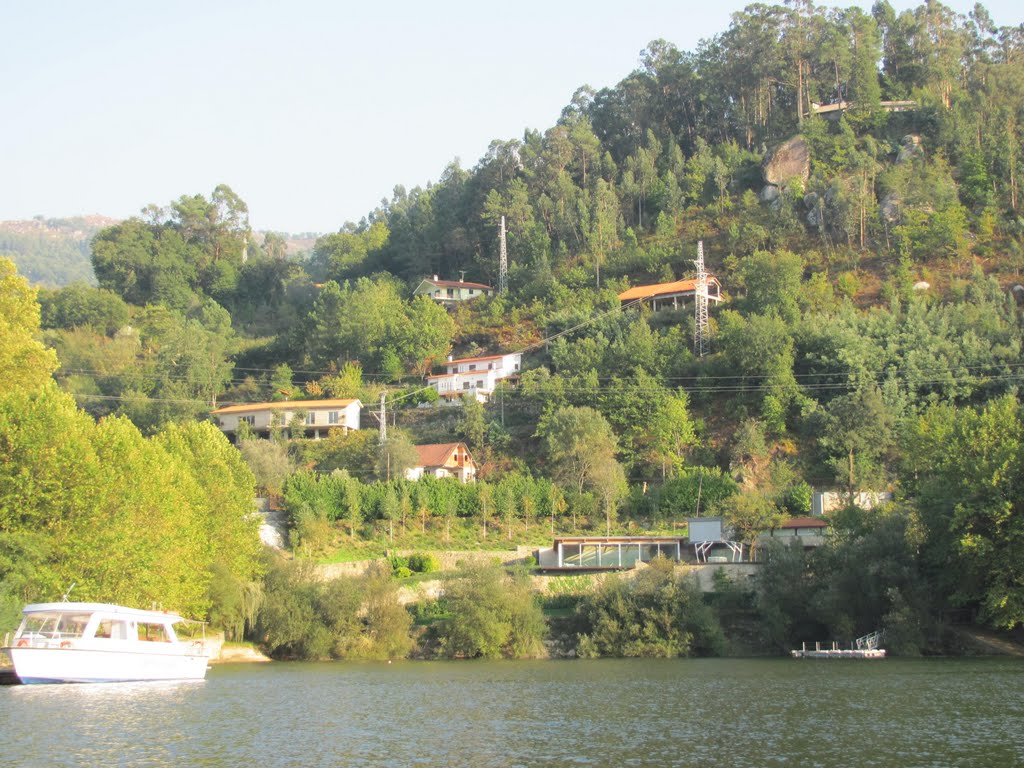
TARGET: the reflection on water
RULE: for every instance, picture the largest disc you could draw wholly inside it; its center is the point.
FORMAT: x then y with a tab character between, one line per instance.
583	713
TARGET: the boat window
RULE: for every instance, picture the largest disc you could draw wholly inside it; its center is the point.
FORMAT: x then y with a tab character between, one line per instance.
112	629
55	625
153	633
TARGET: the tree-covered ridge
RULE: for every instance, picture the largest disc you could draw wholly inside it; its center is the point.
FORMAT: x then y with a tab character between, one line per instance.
867	292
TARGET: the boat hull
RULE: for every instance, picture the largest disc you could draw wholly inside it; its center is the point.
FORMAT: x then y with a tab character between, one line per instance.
95	665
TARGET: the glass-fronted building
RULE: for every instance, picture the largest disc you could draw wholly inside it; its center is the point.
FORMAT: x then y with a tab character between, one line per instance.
609	552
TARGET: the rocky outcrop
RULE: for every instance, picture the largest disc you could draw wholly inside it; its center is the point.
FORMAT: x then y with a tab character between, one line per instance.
910	148
890	207
789	160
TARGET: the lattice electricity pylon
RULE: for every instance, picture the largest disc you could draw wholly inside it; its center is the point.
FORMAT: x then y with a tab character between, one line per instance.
503	261
701	329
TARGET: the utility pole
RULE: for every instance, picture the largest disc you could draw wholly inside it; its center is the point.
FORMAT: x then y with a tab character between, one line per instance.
382	419
701	329
503	261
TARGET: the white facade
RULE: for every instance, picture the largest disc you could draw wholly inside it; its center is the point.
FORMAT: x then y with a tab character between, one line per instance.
475	376
823	502
320	416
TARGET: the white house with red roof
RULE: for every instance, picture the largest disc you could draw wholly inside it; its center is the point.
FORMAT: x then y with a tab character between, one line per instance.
475	376
443	460
318	416
450	292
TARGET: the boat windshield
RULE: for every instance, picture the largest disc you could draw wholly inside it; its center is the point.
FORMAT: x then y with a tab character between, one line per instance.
54	625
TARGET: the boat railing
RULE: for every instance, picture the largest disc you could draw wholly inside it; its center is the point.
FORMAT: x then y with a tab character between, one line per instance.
871	641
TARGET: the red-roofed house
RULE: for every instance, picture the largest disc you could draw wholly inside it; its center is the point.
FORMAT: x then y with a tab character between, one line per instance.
451	291
444	460
811	531
670	295
320	416
476	376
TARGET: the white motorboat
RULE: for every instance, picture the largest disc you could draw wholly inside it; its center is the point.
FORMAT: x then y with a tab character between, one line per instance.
102	643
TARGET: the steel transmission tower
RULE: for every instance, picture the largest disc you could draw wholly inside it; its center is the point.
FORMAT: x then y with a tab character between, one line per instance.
503	261
701	331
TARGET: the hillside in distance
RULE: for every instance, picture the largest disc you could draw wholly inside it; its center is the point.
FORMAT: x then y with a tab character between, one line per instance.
55	252
52	251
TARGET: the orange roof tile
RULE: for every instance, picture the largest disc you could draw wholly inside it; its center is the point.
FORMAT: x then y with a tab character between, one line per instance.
804	522
288	404
474	359
436	454
457	284
649	291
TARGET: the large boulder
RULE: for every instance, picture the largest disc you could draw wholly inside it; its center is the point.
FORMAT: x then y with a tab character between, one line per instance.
910	148
890	207
789	160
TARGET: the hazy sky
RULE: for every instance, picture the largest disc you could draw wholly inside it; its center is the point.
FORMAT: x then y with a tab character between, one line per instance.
311	111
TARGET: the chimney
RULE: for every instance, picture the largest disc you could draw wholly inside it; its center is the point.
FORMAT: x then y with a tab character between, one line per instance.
435	278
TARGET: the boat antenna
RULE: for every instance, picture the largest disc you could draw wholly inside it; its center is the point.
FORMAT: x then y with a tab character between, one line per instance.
64	599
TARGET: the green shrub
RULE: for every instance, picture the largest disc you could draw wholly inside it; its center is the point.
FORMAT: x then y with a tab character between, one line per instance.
423	563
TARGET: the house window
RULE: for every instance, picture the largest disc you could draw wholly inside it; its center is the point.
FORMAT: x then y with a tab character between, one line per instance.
465	385
515	367
490	366
480	383
250	420
333	417
471	291
311	417
472	366
451	293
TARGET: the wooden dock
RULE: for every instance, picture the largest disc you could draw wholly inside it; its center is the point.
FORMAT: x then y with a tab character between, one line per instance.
866	647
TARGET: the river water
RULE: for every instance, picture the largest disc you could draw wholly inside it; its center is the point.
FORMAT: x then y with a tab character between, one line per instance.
714	712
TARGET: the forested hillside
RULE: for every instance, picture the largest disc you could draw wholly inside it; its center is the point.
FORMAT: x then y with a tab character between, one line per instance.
52	252
870	338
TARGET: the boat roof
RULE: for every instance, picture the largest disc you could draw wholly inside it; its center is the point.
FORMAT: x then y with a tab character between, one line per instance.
68	607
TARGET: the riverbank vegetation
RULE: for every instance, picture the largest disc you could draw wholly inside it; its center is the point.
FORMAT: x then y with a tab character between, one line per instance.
869	339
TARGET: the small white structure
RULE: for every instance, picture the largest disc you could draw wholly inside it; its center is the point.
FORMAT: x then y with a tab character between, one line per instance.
708	533
102	643
475	376
823	502
319	416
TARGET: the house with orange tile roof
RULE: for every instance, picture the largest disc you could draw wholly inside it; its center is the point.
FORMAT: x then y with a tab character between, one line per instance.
449	292
670	295
318	416
443	460
474	376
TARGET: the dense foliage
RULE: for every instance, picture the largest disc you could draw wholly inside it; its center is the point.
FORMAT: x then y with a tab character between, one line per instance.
870	338
98	506
658	613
